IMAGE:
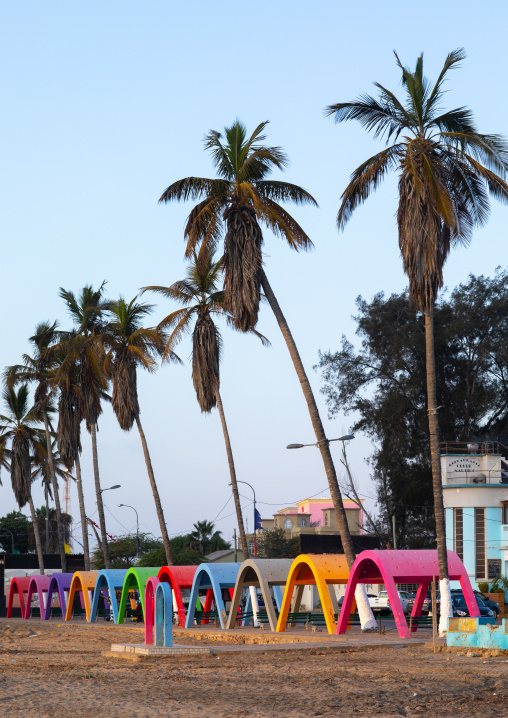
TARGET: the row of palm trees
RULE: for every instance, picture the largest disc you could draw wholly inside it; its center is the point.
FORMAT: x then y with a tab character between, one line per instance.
446	171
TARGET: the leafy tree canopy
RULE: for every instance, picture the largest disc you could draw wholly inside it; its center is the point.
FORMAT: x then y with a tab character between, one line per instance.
16	523
383	385
274	544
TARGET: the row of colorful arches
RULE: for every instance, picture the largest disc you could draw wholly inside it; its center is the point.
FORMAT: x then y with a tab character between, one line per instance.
280	581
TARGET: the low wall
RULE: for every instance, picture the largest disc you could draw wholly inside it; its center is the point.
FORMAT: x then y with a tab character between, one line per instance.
477	633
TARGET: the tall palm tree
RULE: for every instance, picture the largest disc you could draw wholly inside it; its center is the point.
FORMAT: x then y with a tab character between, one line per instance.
446	170
19	429
202	301
69	425
204	536
241	198
130	345
84	350
38	369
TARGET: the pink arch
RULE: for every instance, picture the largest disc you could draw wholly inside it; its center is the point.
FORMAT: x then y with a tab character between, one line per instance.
39	585
151	585
392	567
19	586
178	577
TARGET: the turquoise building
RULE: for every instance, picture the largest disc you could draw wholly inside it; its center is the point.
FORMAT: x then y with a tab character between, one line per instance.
475	491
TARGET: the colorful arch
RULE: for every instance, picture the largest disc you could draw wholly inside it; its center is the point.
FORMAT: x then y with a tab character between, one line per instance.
59	583
266	573
84	582
39	585
135	578
109	580
150	588
214	577
163	615
321	570
179	578
19	585
392	567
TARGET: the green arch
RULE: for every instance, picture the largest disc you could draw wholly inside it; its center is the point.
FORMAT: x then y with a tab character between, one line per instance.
135	578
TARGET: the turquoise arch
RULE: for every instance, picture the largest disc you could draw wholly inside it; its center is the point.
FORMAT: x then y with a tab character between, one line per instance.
215	577
108	580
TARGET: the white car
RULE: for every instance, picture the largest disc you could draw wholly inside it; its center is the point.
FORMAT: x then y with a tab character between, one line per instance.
381	602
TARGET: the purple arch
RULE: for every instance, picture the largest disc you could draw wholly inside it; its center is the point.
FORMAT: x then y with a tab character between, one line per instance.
38	584
58	583
392	567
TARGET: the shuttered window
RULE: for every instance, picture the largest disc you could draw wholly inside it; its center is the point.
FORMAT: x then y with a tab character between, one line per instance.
458	532
480	541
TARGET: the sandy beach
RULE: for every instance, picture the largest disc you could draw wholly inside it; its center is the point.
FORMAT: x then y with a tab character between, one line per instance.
57	670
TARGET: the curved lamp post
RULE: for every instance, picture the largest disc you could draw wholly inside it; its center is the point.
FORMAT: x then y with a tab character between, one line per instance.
246	482
137	528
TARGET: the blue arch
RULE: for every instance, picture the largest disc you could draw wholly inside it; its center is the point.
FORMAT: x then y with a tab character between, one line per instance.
107	580
215	576
163	615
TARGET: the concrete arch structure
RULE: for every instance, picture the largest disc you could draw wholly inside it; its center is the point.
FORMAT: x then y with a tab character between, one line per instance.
266	573
321	570
38	585
135	578
179	578
212	577
163	615
59	583
150	588
392	567
109	580
19	585
84	582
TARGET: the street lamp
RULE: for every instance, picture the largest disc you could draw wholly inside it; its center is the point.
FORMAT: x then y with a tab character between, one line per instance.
246	482
116	486
347	437
137	525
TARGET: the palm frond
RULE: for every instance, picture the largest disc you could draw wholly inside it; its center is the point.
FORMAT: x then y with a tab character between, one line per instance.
285	192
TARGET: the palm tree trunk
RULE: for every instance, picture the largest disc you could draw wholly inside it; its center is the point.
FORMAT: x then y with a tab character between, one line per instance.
156	497
46	518
56	496
82	513
232	473
365	613
444	582
37	536
98	493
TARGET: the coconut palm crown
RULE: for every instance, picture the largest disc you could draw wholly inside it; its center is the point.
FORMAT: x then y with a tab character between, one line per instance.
446	171
242	197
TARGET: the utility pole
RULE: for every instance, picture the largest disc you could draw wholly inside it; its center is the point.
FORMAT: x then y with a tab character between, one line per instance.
236	552
393	531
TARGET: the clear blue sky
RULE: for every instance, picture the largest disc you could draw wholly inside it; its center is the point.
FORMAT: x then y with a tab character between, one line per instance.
105	104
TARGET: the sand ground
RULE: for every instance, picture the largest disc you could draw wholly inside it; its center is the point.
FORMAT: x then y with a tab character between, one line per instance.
60	672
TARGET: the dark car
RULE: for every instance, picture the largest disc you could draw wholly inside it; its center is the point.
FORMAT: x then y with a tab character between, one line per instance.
487	602
460	608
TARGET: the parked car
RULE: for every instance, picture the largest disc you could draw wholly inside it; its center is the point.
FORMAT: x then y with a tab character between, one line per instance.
369	596
460	609
381	603
486	601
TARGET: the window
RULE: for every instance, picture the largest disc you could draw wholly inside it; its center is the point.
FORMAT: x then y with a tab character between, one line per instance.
251	547
480	541
505	512
458	532
288	524
326	519
303	523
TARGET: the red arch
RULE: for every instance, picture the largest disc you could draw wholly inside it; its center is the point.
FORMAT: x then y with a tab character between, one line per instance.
392	567
19	586
178	577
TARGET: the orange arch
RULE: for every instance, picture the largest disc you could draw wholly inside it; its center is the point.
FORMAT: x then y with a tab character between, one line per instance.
83	581
321	570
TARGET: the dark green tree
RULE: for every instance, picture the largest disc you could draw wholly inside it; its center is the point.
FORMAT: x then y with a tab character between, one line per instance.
18	525
274	544
383	384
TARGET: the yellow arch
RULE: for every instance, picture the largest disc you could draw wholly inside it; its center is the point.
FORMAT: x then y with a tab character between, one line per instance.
83	581
318	570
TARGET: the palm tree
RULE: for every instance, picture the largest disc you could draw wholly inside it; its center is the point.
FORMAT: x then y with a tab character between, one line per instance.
130	345
446	170
204	536
84	351
39	369
69	426
19	428
202	300
40	461
242	197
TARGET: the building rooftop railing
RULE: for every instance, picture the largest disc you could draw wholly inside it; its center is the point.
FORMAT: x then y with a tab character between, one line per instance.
480	448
